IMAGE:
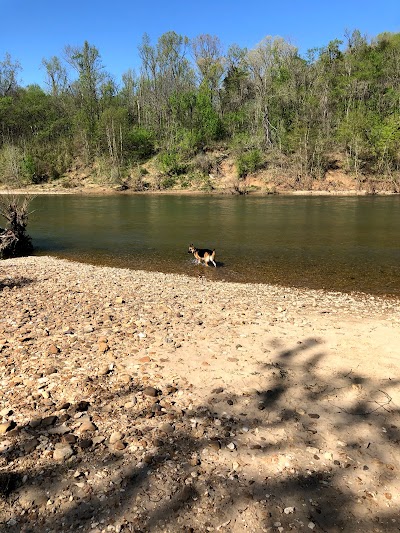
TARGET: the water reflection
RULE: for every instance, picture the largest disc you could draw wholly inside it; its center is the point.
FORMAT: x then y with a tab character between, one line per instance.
335	243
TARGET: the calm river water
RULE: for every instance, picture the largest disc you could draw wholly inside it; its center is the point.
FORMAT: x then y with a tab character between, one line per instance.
337	243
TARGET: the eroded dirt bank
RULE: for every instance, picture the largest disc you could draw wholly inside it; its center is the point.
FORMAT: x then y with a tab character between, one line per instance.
134	401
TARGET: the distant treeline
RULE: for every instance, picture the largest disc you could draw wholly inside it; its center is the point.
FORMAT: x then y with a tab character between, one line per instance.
267	106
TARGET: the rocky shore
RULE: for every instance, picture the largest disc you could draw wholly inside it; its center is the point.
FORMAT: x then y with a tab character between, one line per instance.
150	402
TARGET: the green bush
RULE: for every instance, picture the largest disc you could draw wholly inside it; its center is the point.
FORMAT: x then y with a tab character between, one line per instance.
139	144
248	162
168	182
171	163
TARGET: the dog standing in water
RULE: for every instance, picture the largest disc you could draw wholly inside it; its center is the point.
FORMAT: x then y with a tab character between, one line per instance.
205	255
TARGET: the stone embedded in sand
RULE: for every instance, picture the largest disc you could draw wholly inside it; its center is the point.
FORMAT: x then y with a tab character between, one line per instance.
87	426
82	406
53	349
62	454
167	428
84	444
30	445
103	347
150	391
49	421
32	497
116	436
69	438
7	426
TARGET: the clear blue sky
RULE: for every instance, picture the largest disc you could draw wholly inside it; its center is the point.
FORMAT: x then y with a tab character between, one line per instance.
32	30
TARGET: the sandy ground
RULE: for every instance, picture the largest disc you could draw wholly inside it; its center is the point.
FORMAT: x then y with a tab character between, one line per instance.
134	401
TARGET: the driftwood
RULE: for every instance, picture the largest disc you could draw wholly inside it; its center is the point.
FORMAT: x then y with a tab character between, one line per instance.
14	241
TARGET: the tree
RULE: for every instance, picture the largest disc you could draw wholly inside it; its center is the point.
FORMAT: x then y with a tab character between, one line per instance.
57	78
207	51
86	61
14	241
266	64
8	76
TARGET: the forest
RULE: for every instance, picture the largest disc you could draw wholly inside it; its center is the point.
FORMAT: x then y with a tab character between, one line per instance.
193	102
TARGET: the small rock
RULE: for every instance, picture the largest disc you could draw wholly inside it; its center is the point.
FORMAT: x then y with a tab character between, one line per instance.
84	444
288	510
7	426
49	421
35	422
87	426
150	391
53	349
103	347
167	428
32	497
59	430
62	454
69	439
63	405
116	436
119	300
231	446
82	406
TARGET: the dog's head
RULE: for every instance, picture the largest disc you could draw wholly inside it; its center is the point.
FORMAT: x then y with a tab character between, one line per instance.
192	249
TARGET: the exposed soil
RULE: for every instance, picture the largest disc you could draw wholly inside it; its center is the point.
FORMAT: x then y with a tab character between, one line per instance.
149	402
221	179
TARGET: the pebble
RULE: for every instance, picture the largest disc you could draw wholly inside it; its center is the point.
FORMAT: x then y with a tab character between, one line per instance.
116	436
150	391
7	426
63	453
87	426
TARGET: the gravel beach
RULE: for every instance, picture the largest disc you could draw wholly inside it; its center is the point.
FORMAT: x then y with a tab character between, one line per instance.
149	402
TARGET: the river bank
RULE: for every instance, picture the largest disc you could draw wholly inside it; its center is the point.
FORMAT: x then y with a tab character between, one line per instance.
142	401
101	190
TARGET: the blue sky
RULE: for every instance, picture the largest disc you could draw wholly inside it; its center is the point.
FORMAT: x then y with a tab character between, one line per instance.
33	30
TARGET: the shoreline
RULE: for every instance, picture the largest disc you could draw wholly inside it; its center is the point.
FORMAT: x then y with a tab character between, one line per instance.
108	191
147	401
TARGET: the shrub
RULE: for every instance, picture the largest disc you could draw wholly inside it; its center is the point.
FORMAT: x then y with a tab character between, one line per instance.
171	163
248	162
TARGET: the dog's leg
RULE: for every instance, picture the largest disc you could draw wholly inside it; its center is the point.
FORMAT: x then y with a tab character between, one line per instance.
214	263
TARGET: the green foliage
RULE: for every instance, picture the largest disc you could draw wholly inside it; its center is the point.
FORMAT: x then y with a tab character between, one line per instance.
207	122
28	168
139	144
267	104
171	163
168	182
248	162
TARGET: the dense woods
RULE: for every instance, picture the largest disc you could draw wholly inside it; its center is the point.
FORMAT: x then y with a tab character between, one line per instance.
194	101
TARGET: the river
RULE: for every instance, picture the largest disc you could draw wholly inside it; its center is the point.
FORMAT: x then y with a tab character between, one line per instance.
336	243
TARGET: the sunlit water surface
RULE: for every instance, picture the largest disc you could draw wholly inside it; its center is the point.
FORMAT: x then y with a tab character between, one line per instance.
337	243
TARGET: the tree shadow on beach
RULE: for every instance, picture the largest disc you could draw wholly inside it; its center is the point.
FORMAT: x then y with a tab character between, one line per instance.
11	283
305	452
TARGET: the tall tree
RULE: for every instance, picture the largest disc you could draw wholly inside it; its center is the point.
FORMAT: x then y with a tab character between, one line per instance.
87	63
56	74
8	75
